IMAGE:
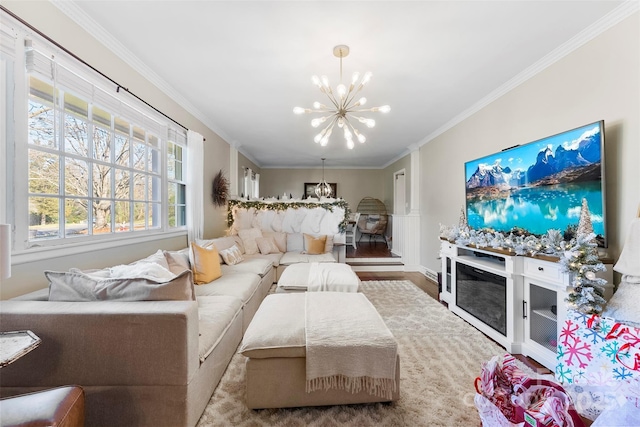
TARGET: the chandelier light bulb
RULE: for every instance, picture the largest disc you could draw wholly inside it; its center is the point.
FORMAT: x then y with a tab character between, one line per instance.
366	78
342	105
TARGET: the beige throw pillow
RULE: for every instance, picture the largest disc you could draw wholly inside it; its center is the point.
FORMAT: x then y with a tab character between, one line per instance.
249	237
267	245
232	256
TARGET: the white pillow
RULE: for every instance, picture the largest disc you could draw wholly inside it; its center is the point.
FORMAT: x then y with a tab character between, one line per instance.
249	237
295	242
232	255
623	305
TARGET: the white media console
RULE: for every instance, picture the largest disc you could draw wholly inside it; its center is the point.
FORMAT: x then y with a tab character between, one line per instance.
516	301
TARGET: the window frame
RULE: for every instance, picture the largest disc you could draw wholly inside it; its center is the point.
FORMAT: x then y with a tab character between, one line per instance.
14	141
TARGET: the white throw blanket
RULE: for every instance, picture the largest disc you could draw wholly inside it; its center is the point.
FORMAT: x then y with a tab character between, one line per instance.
348	345
629	262
319	276
332	276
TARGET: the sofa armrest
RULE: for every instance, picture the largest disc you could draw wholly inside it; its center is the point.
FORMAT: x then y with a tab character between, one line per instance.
104	343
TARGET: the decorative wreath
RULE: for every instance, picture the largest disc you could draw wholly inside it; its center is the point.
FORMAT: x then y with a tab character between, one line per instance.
220	191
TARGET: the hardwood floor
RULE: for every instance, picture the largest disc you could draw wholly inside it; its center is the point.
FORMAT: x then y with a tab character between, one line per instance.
380	250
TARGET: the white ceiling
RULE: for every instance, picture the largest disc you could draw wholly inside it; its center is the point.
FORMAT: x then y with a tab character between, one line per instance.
241	66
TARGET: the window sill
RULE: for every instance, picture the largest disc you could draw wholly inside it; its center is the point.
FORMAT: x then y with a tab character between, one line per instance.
54	251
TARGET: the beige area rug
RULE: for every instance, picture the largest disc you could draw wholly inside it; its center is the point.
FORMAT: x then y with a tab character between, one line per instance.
440	356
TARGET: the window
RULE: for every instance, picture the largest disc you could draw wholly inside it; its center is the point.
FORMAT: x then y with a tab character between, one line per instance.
97	163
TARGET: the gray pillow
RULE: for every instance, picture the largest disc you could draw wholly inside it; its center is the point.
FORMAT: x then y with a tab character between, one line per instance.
78	286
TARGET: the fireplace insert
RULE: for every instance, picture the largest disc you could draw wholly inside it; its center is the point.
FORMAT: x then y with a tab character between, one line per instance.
483	295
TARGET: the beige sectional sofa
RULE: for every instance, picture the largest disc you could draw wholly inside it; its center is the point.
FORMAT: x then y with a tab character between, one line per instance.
151	363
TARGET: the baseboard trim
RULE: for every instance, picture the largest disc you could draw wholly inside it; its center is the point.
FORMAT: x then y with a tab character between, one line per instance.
376	268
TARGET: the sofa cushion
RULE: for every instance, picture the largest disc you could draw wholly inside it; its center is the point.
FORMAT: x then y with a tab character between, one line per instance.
76	285
239	285
293	257
277	329
178	259
216	313
251	264
205	264
249	237
232	256
274	259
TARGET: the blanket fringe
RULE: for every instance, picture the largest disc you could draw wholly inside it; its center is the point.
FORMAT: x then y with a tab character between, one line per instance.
381	387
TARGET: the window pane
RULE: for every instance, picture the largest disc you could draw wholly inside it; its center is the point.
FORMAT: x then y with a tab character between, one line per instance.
181	215
123	217
173	189
154	189
139	215
138	133
76	177
75	217
154	141
154	216
41	124
42	90
179	171
171	161
75	135
122	149
154	220
101	181
122	125
154	160
76	105
101	216
100	116
182	194
101	144
139	186
123	179
44	172
44	214
172	216
139	155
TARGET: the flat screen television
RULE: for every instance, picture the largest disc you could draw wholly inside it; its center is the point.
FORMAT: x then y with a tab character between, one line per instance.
540	185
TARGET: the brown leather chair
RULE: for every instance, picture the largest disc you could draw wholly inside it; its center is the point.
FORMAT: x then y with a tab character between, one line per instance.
60	407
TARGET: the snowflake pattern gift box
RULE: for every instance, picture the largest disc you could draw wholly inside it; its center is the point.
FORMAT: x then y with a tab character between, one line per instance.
598	362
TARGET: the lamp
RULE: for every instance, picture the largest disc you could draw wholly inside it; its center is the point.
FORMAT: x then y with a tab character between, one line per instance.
5	251
342	106
323	189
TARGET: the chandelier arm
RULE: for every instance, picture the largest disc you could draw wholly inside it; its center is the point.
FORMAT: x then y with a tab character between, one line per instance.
334	101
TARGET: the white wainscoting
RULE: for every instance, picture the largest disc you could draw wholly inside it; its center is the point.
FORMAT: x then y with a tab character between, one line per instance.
406	240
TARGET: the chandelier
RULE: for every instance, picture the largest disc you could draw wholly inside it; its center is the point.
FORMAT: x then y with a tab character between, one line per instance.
323	189
342	106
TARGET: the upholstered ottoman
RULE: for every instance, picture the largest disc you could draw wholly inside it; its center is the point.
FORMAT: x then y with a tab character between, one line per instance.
318	276
276	347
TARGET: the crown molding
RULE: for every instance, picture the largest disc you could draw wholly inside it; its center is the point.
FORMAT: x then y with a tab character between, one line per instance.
594	30
88	24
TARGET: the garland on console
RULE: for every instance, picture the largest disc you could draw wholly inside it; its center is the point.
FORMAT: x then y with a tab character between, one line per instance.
283	206
578	256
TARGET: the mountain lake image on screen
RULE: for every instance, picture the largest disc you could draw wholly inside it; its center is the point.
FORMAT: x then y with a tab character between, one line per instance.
540	185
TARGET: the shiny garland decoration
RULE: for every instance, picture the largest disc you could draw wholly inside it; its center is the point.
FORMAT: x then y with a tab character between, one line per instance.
284	205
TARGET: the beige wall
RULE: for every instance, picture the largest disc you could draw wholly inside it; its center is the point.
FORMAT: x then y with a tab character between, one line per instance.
389	171
48	19
353	184
600	80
